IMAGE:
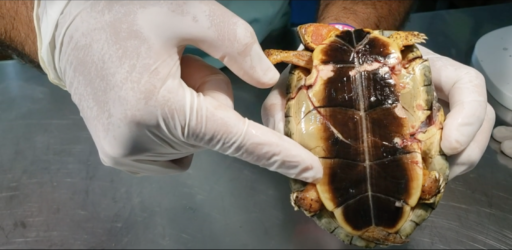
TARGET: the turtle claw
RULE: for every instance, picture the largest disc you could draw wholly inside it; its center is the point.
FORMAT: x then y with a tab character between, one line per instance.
293	196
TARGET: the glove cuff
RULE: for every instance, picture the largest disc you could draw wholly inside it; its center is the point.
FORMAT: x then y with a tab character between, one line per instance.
46	16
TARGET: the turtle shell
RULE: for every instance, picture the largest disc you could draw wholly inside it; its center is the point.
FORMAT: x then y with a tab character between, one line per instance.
375	129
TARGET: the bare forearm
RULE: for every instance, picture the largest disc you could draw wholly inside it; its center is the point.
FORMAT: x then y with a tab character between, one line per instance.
17	31
371	14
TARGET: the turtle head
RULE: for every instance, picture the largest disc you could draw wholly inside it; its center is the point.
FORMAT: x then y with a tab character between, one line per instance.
314	34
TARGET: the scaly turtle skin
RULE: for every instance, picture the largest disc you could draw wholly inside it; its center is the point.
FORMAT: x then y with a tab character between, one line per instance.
363	102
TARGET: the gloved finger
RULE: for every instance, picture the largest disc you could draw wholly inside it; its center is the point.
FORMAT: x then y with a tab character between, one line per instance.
239	137
215	30
146	165
502	133
506	148
464	88
206	79
466	160
207	123
272	111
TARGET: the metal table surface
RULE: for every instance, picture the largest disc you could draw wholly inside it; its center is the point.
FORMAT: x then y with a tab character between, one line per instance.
55	193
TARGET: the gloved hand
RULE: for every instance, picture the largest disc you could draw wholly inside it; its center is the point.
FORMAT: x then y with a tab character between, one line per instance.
469	120
148	108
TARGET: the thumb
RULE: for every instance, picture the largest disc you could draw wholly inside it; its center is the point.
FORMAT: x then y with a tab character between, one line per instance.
272	112
217	31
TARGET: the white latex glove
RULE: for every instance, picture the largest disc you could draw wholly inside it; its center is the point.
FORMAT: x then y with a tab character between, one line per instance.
149	110
469	119
503	134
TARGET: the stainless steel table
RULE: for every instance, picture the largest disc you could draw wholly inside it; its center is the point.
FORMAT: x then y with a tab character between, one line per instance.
55	193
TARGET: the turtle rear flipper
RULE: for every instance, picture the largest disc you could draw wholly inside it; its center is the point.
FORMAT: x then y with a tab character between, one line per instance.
307	200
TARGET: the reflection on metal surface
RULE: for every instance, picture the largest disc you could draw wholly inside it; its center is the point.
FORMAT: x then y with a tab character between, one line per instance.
55	193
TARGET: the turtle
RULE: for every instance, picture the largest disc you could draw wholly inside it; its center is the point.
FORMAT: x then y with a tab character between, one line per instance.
363	102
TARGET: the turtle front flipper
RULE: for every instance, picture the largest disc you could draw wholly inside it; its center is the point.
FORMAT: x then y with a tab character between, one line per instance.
300	58
314	34
406	38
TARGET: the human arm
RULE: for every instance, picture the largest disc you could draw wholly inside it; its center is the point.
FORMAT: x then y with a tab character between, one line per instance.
388	15
17	33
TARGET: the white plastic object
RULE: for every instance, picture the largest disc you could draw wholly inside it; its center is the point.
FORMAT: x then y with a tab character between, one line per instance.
493	58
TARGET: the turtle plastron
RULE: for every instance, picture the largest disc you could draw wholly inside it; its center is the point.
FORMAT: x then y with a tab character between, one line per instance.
362	101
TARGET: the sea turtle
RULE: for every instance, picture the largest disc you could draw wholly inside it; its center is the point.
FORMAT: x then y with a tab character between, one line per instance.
363	102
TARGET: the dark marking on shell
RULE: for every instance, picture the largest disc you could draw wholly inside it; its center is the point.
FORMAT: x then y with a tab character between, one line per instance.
388	214
347	178
387	177
338	90
358	213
